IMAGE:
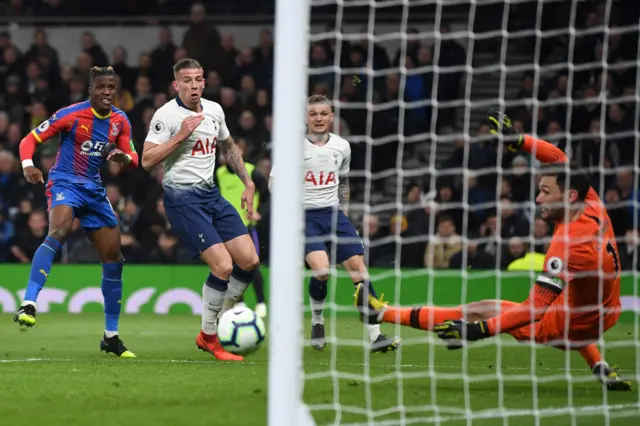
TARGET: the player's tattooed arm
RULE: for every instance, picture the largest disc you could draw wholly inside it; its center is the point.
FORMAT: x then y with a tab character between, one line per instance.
344	193
234	159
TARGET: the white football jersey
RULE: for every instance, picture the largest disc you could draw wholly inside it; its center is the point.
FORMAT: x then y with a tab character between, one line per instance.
192	164
323	166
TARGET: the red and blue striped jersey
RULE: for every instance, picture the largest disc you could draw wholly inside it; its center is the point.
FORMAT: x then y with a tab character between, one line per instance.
85	139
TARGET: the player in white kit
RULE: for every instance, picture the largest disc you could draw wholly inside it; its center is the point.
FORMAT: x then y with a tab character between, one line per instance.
326	196
184	135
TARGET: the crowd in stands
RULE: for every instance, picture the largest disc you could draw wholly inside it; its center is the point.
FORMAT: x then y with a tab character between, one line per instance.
494	210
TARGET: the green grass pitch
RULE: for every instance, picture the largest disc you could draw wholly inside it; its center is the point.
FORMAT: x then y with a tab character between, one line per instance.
55	375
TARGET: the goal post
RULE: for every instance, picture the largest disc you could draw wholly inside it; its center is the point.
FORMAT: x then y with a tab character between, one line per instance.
285	381
418	117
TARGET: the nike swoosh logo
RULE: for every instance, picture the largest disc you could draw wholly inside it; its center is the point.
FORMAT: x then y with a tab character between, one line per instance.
307	159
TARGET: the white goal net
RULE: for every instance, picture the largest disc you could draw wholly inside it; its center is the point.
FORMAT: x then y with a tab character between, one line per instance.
448	217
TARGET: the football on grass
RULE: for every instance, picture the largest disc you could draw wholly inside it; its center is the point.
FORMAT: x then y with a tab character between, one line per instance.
241	331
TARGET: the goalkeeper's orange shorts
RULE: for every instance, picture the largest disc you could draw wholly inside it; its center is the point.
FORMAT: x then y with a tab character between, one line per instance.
560	329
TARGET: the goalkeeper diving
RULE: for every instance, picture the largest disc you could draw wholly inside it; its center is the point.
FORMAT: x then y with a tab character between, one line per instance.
576	298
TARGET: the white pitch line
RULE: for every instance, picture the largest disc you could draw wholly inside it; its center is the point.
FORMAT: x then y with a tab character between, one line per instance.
506	413
199	361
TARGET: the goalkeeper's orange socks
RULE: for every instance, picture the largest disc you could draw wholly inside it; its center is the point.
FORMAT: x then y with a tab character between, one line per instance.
422	317
591	354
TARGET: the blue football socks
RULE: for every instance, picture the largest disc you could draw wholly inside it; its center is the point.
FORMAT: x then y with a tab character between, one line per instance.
40	268
112	293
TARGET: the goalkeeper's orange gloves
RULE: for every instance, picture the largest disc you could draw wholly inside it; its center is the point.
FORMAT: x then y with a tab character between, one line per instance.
501	126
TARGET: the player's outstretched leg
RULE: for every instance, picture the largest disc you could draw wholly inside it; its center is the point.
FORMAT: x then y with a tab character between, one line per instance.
40	268
61	222
375	311
358	271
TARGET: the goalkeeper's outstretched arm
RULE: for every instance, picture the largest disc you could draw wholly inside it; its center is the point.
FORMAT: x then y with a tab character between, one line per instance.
544	151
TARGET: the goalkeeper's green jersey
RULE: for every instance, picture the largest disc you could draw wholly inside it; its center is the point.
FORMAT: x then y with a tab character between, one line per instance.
231	188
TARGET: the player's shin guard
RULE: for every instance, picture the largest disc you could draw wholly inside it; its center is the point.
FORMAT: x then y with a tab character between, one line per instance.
317	295
112	293
40	268
238	284
214	291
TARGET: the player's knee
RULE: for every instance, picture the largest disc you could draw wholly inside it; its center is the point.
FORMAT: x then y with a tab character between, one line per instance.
222	270
113	257
60	232
250	264
321	274
483	310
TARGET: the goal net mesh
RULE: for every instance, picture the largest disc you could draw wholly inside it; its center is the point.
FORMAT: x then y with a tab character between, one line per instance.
446	215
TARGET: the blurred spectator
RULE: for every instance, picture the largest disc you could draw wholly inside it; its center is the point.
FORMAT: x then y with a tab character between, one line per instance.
443	245
202	40
27	240
168	251
93	49
162	59
541	235
630	251
472	258
513	223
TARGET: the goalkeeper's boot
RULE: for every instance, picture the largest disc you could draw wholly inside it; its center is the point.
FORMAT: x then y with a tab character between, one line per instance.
26	316
610	378
385	344
370	307
317	337
113	345
211	344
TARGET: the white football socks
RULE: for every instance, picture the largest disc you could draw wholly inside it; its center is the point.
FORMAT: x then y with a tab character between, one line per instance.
317	306
212	301
374	332
235	291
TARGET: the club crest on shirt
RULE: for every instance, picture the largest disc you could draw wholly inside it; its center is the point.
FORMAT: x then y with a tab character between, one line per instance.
115	129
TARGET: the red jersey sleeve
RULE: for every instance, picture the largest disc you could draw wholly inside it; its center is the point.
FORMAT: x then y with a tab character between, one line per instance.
124	142
59	122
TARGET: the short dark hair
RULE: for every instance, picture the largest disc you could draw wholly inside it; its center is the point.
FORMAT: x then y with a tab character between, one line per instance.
100	72
568	177
186	64
445	218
